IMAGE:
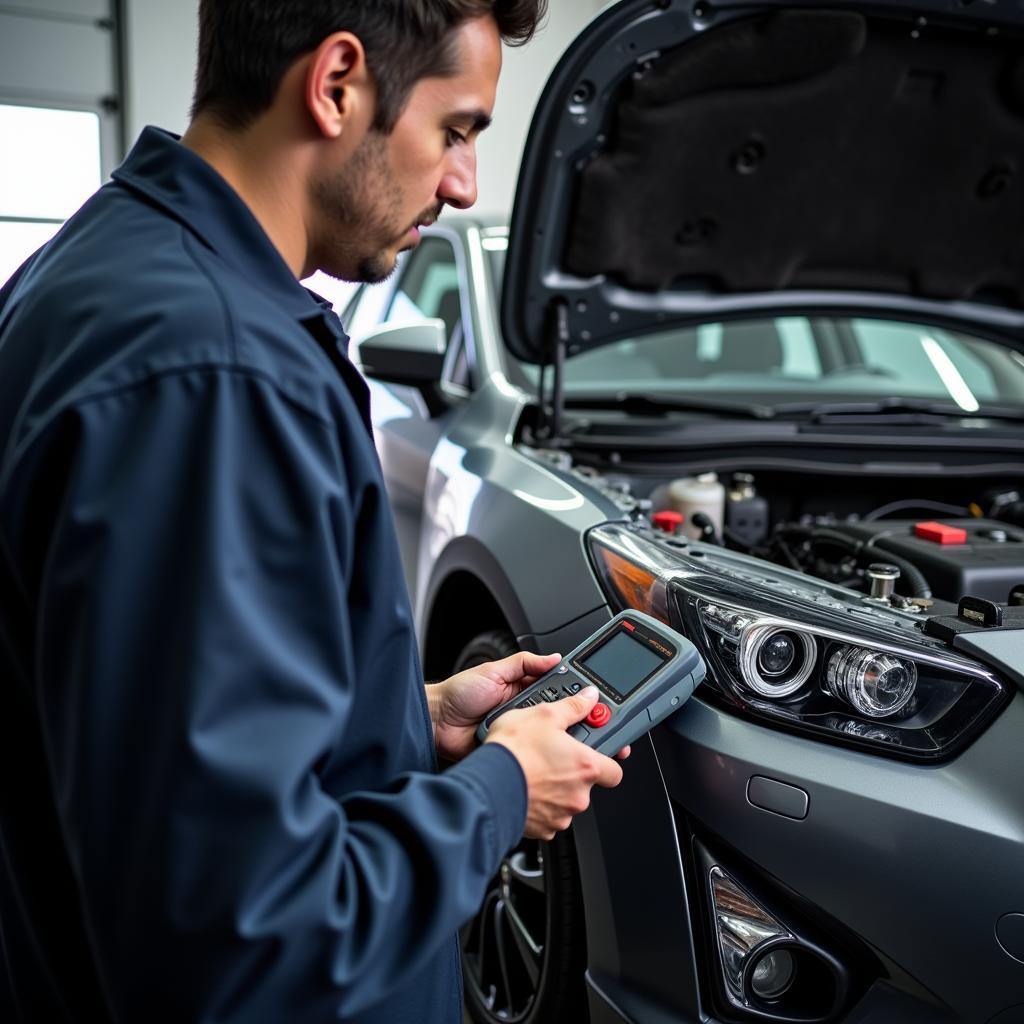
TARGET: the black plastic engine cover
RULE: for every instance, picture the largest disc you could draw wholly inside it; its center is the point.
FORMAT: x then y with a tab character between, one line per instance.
989	565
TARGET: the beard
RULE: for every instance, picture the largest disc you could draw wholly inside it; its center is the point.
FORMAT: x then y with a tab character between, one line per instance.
359	216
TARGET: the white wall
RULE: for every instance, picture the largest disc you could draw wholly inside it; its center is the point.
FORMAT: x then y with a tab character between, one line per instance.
525	71
161	61
161	40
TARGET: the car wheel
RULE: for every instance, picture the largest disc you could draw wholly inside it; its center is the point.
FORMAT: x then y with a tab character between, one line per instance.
524	954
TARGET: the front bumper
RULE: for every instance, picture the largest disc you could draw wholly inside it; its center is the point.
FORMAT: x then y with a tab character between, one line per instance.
919	864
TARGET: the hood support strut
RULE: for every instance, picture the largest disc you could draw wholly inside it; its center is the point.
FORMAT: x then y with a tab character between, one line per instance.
558	343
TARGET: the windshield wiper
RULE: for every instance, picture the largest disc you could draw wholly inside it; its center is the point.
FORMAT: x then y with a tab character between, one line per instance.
884	409
640	404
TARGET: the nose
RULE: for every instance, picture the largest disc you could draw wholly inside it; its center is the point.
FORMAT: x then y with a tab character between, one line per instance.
458	185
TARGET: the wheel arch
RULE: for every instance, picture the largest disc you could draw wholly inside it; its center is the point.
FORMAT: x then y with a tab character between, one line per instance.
469	593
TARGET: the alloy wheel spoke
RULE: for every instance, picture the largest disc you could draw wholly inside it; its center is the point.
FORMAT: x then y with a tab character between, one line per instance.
529	951
499	934
478	959
503	959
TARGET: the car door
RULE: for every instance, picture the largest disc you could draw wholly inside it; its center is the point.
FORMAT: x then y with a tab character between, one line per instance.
429	286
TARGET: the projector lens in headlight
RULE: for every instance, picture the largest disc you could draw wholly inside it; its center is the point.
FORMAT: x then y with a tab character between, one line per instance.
876	685
777	654
776	662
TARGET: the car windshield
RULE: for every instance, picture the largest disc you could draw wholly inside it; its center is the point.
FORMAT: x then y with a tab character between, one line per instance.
791	360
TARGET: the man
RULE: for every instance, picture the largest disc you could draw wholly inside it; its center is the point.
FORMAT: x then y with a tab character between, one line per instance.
220	796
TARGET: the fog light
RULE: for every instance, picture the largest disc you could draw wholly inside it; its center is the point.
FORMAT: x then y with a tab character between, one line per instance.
876	685
743	926
773	975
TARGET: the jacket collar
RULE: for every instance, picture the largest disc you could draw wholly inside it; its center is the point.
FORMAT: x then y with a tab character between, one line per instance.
186	187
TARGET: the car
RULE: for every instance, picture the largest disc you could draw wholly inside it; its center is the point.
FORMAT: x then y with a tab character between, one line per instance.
750	359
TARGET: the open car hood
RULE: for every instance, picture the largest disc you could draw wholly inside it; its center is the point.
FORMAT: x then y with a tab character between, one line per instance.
692	161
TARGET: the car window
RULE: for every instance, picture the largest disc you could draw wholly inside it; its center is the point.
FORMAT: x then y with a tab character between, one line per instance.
429	287
366	311
927	360
794	357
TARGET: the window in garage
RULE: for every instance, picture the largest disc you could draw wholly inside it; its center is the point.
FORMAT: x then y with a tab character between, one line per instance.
53	168
61	124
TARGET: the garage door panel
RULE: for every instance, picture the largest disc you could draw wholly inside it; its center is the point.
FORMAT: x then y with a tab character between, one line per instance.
66	8
49	57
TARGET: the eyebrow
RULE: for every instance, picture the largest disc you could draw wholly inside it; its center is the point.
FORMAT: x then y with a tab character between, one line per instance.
479	119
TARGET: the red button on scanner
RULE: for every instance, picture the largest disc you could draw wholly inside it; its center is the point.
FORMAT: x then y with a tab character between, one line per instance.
600	714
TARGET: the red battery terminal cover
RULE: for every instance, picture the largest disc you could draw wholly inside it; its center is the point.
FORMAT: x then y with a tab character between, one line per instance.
939	533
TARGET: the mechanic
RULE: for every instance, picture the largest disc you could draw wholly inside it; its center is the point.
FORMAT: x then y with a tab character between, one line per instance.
221	799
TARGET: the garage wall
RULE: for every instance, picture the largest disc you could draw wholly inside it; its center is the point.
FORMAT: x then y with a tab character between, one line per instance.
160	40
523	76
162	37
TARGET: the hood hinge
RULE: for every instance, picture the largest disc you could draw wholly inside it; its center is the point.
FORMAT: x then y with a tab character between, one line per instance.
558	344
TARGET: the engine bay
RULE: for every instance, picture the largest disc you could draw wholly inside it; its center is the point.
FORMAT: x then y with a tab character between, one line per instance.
926	552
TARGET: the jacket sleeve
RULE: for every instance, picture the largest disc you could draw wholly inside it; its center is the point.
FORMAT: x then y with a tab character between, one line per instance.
196	673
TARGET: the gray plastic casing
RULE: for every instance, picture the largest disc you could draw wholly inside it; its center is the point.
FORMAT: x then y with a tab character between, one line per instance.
658	696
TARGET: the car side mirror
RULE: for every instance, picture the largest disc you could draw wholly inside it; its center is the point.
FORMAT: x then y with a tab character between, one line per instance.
410	354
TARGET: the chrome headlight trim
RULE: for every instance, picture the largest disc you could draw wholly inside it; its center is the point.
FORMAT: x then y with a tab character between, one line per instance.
752	644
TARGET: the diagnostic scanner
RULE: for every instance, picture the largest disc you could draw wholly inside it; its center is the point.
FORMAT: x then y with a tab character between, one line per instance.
643	669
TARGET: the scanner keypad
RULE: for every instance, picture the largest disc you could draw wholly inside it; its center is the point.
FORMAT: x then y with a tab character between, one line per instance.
567	687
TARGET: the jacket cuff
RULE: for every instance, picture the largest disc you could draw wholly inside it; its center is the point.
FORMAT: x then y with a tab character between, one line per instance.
495	773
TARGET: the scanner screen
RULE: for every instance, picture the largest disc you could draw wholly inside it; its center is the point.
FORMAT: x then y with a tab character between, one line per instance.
623	663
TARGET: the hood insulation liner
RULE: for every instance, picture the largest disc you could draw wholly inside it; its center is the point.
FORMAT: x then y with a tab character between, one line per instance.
814	149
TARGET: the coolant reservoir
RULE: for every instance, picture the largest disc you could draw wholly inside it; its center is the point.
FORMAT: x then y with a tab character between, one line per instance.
702	493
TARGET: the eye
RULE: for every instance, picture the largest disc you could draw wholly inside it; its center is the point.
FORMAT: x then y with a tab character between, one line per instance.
455	137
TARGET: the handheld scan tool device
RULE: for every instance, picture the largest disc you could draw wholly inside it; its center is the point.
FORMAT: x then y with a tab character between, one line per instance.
643	670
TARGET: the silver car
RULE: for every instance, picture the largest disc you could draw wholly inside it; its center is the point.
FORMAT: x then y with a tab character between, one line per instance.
749	359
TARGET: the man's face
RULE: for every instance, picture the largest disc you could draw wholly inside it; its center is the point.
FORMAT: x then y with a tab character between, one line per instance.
370	209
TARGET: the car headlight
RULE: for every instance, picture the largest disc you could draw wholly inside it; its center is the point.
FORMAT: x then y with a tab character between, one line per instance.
803	655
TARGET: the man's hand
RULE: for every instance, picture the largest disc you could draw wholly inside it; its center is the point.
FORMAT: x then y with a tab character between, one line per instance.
560	771
458	704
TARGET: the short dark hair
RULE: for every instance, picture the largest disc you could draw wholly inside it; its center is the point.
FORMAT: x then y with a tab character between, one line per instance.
246	46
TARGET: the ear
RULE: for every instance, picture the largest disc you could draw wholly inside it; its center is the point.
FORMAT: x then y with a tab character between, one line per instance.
339	89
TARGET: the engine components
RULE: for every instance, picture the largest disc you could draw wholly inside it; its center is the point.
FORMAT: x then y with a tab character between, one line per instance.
883	577
691	494
988	561
746	512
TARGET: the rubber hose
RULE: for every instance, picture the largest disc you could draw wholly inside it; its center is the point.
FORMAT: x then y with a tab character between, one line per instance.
914	578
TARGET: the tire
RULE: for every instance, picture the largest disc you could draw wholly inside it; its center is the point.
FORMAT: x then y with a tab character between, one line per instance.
524	954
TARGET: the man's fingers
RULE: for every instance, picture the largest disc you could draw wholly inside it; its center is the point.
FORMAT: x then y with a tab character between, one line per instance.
623	753
609	772
571	710
525	664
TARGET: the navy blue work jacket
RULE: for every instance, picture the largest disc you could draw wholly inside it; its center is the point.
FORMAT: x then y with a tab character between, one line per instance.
220	798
